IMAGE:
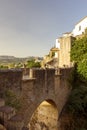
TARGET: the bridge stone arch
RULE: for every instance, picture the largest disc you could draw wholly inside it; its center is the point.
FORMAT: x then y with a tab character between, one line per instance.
37	86
45	116
44	85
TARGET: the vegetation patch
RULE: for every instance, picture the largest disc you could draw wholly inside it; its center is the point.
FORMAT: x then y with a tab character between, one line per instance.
74	116
12	100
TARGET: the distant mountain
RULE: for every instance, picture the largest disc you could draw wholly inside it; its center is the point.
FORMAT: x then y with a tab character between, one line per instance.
5	59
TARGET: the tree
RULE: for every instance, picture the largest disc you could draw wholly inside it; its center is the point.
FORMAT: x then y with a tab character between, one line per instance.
77	103
18	65
32	63
3	66
12	65
79	55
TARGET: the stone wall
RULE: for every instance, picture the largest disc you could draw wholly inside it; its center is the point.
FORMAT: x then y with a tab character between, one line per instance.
44	79
42	85
65	48
10	79
62	89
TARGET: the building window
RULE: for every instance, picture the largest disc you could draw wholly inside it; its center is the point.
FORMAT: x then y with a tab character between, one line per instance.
79	28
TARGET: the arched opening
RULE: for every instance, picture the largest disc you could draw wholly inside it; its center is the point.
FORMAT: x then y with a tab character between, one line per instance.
45	117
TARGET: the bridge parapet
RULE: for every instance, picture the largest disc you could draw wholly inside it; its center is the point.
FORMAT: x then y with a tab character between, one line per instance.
37	86
30	72
10	79
43	77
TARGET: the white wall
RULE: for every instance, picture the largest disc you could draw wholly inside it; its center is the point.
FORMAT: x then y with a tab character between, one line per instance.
57	44
56	54
83	24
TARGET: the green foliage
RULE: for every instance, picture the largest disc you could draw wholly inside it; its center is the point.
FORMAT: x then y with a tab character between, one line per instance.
82	69
72	78
3	66
79	55
19	65
12	100
79	49
32	63
77	104
12	65
78	101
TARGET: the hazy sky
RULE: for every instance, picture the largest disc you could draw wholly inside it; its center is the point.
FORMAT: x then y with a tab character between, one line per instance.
30	27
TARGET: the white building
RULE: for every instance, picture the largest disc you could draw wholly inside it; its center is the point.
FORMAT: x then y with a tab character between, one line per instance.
57	44
80	27
63	45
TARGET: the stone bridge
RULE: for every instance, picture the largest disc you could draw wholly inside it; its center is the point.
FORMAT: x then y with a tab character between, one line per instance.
33	87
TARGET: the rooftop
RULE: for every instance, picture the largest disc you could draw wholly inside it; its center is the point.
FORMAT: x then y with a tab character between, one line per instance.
81	20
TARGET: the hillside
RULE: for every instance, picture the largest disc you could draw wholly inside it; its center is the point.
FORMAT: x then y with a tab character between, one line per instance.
5	59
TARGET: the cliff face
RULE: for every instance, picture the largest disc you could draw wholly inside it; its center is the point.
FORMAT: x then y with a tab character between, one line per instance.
66	121
72	121
44	118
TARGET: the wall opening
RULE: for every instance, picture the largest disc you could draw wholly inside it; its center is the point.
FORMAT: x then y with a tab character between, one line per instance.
45	117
